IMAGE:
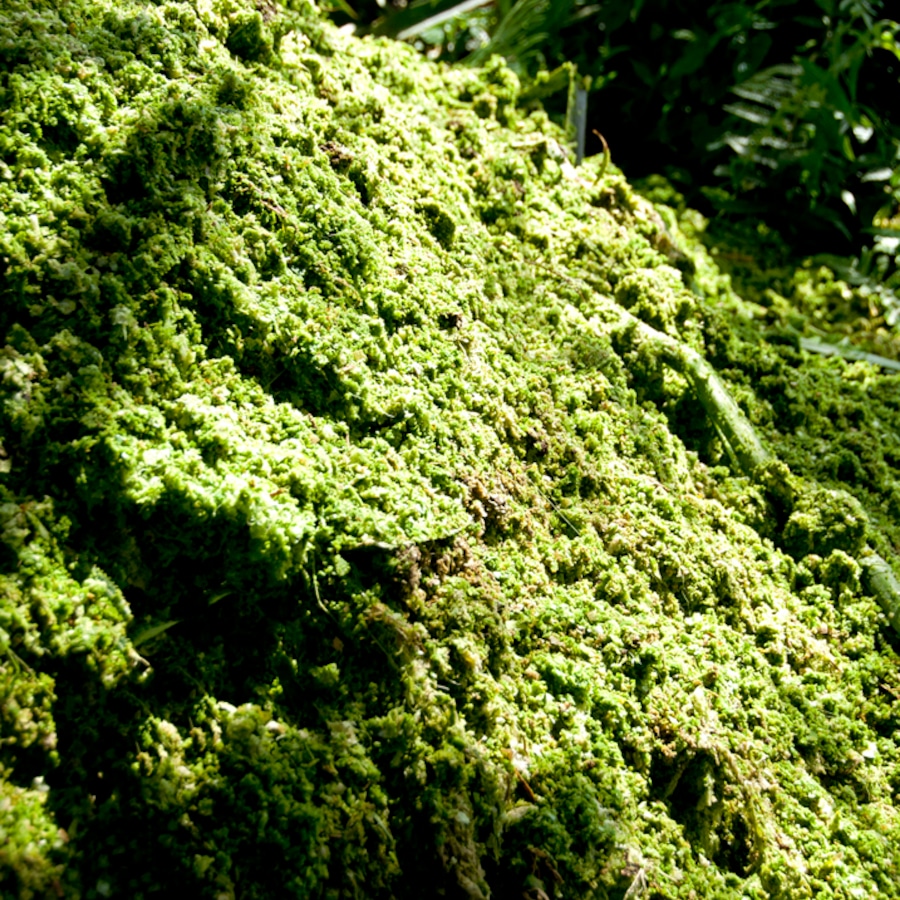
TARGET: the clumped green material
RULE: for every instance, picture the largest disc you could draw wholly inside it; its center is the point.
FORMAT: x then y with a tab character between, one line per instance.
356	542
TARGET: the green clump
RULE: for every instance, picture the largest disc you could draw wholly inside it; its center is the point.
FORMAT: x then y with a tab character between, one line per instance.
441	226
823	521
248	37
349	541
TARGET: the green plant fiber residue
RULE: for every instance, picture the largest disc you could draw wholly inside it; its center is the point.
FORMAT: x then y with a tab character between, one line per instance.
338	558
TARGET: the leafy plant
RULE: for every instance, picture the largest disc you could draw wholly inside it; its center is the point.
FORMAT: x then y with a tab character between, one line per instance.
801	131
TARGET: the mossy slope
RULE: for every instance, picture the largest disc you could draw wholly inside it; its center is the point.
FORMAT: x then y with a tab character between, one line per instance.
339	558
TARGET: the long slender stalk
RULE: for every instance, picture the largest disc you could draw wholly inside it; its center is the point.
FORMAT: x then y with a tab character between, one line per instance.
879	578
739	435
720	407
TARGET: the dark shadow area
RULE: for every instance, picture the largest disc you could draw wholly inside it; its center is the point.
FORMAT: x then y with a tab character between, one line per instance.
693	787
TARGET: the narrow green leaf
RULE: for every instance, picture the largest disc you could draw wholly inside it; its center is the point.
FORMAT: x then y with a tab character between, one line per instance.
824	348
152	631
882	174
755	114
340	6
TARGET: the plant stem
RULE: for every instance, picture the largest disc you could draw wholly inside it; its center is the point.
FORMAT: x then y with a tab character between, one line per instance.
738	433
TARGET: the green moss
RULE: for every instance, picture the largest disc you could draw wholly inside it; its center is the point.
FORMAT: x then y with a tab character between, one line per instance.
823	521
248	38
441	225
340	557
33	847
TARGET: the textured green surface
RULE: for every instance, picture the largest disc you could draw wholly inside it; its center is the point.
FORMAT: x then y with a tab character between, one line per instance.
340	558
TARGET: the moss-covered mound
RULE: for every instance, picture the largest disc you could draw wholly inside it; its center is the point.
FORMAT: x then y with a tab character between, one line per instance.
354	541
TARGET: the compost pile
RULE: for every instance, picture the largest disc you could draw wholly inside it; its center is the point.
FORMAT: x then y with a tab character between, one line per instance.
360	537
